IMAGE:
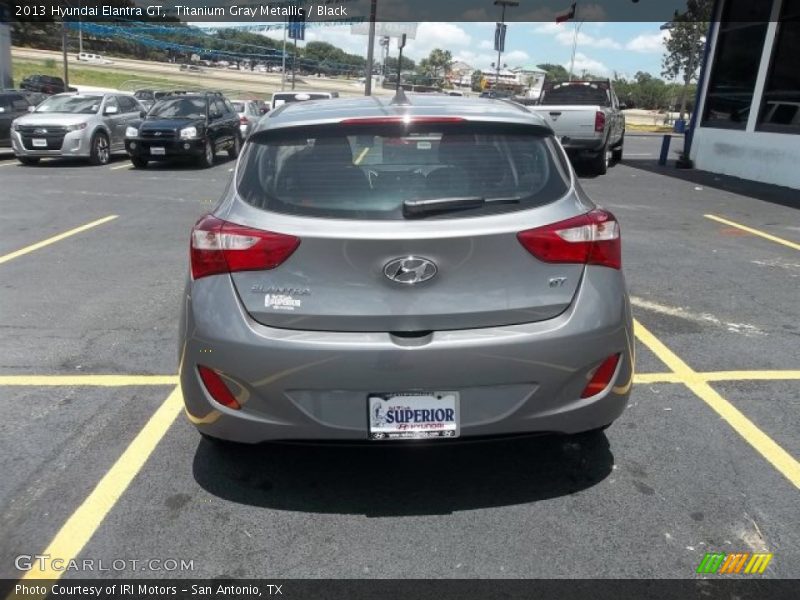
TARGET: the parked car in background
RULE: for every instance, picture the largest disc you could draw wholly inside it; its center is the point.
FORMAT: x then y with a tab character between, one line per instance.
280	98
148	98
191	68
249	111
354	286
90	126
46	84
13	104
185	126
587	117
94	58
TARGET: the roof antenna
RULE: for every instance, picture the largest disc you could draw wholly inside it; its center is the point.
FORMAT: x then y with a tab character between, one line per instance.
400	97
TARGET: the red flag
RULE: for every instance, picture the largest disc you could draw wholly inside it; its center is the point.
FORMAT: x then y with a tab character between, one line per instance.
570	14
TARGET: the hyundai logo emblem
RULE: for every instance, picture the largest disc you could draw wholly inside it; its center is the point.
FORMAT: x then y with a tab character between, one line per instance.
410	270
157	133
40	131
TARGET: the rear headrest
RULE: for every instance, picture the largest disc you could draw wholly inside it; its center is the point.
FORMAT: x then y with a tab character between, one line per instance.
332	150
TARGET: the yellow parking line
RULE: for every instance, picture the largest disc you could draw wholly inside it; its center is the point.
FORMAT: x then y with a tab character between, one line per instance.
361	156
643	378
54	239
766	236
126	165
87	380
87	518
9	164
749	375
763	444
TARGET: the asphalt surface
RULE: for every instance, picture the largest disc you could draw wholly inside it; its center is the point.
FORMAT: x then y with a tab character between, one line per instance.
666	483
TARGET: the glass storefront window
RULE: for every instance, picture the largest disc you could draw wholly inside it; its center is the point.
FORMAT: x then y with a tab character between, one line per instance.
738	55
780	106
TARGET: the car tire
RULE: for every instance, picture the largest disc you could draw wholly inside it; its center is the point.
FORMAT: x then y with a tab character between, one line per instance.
217	442
100	153
28	160
233	151
206	159
600	162
616	153
138	162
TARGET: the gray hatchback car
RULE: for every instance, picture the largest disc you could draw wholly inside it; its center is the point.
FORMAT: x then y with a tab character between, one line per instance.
421	268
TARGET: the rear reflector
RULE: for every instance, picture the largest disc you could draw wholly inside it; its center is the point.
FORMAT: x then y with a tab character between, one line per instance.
217	388
602	377
592	239
221	247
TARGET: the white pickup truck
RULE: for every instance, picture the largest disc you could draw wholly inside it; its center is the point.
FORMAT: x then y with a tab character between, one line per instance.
586	116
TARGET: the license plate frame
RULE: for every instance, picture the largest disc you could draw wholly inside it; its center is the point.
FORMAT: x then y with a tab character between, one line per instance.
39	142
158	151
415	415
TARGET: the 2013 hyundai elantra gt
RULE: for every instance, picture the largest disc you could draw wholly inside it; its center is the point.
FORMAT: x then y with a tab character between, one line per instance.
421	268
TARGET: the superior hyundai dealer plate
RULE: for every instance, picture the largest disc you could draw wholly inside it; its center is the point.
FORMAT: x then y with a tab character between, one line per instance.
413	415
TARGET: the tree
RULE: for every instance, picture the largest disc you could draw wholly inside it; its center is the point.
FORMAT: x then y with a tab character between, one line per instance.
391	64
476	81
437	64
686	44
554	72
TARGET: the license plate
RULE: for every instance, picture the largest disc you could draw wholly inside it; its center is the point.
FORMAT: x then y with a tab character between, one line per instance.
413	416
157	151
39	143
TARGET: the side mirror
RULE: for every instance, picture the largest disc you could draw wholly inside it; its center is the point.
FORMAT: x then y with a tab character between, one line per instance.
111	110
31	109
142	114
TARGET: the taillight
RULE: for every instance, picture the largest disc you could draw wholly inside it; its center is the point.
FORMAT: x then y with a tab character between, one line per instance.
599	121
400	119
217	388
601	377
592	238
243	120
221	247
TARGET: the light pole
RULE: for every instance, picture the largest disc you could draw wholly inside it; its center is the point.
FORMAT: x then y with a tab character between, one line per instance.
501	34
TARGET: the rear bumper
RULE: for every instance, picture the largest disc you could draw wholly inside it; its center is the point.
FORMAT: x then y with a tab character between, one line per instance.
301	385
582	145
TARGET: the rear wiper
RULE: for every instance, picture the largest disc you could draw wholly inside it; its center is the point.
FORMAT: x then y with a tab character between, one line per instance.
419	208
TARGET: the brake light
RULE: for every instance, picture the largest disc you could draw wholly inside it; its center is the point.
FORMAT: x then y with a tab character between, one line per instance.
601	377
599	121
592	238
243	120
217	388
221	247
400	119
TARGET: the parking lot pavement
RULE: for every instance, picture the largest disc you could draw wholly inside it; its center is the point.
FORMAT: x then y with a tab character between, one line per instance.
100	463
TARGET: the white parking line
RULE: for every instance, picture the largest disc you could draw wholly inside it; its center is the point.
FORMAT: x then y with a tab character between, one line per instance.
10	163
126	165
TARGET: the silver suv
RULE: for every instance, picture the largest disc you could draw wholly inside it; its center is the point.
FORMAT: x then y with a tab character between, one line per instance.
425	268
88	125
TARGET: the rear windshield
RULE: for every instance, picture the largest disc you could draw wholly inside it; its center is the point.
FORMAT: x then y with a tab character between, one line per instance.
358	172
576	93
238	106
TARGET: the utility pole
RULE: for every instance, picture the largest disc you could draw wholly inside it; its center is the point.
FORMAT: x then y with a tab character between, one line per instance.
294	62
401	43
283	58
578	25
370	48
500	34
64	52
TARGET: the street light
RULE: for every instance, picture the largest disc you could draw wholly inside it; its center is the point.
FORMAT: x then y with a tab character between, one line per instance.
500	37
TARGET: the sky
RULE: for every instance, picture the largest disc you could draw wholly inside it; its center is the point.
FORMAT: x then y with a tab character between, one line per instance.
603	48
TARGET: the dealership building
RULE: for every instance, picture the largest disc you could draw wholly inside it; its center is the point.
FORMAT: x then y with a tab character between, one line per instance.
747	122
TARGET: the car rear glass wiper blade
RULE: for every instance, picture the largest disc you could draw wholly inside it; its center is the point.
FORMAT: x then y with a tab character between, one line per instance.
418	208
